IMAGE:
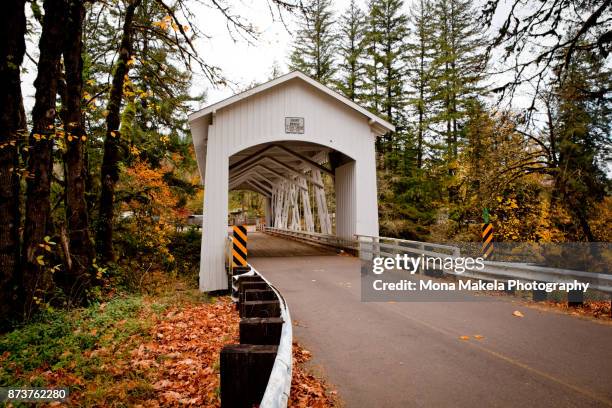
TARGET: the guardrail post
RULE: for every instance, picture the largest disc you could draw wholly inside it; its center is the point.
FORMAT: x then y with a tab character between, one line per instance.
234	271
421	270
539	295
258	330
366	254
251	284
260	308
432	272
258	294
243	283
245	370
456	253
374	247
575	298
239	270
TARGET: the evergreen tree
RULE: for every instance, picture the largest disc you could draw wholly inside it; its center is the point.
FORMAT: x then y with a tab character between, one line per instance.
457	73
352	53
581	126
420	56
458	68
315	44
386	71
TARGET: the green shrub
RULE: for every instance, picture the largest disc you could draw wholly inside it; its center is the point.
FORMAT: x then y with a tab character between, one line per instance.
185	247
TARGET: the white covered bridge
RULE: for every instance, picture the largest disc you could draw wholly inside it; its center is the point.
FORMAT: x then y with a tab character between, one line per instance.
279	139
291	139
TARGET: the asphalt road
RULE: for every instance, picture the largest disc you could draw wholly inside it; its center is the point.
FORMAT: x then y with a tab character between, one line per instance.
409	354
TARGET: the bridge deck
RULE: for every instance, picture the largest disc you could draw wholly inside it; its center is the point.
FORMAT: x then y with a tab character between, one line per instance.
411	354
264	245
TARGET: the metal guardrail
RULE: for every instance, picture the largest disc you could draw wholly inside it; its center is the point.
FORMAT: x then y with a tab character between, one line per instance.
312	237
279	383
237	220
370	246
378	244
526	272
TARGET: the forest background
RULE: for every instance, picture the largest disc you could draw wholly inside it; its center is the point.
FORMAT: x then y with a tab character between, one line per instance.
98	177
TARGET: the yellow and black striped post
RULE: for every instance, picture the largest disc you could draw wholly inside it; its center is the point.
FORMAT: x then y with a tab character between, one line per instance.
487	240
487	234
239	246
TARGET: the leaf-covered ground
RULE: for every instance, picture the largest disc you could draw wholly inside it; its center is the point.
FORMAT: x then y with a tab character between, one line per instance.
138	351
590	308
307	390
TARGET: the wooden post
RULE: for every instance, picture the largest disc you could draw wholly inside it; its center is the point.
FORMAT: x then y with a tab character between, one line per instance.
421	270
245	371
575	298
239	270
246	285
539	295
260	308
257	330
247	280
258	294
250	278
234	271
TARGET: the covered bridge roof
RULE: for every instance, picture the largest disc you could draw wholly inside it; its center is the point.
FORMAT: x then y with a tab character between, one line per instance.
379	125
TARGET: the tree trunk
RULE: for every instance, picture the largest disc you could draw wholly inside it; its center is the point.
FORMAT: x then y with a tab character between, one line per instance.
584	224
77	278
12	126
421	102
38	280
110	162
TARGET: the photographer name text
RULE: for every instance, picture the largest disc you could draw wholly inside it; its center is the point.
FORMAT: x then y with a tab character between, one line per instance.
478	285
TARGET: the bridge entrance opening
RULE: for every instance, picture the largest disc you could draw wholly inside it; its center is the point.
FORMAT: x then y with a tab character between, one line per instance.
297	182
295	142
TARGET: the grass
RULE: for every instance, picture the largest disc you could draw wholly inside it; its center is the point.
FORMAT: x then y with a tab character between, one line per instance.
88	349
159	349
